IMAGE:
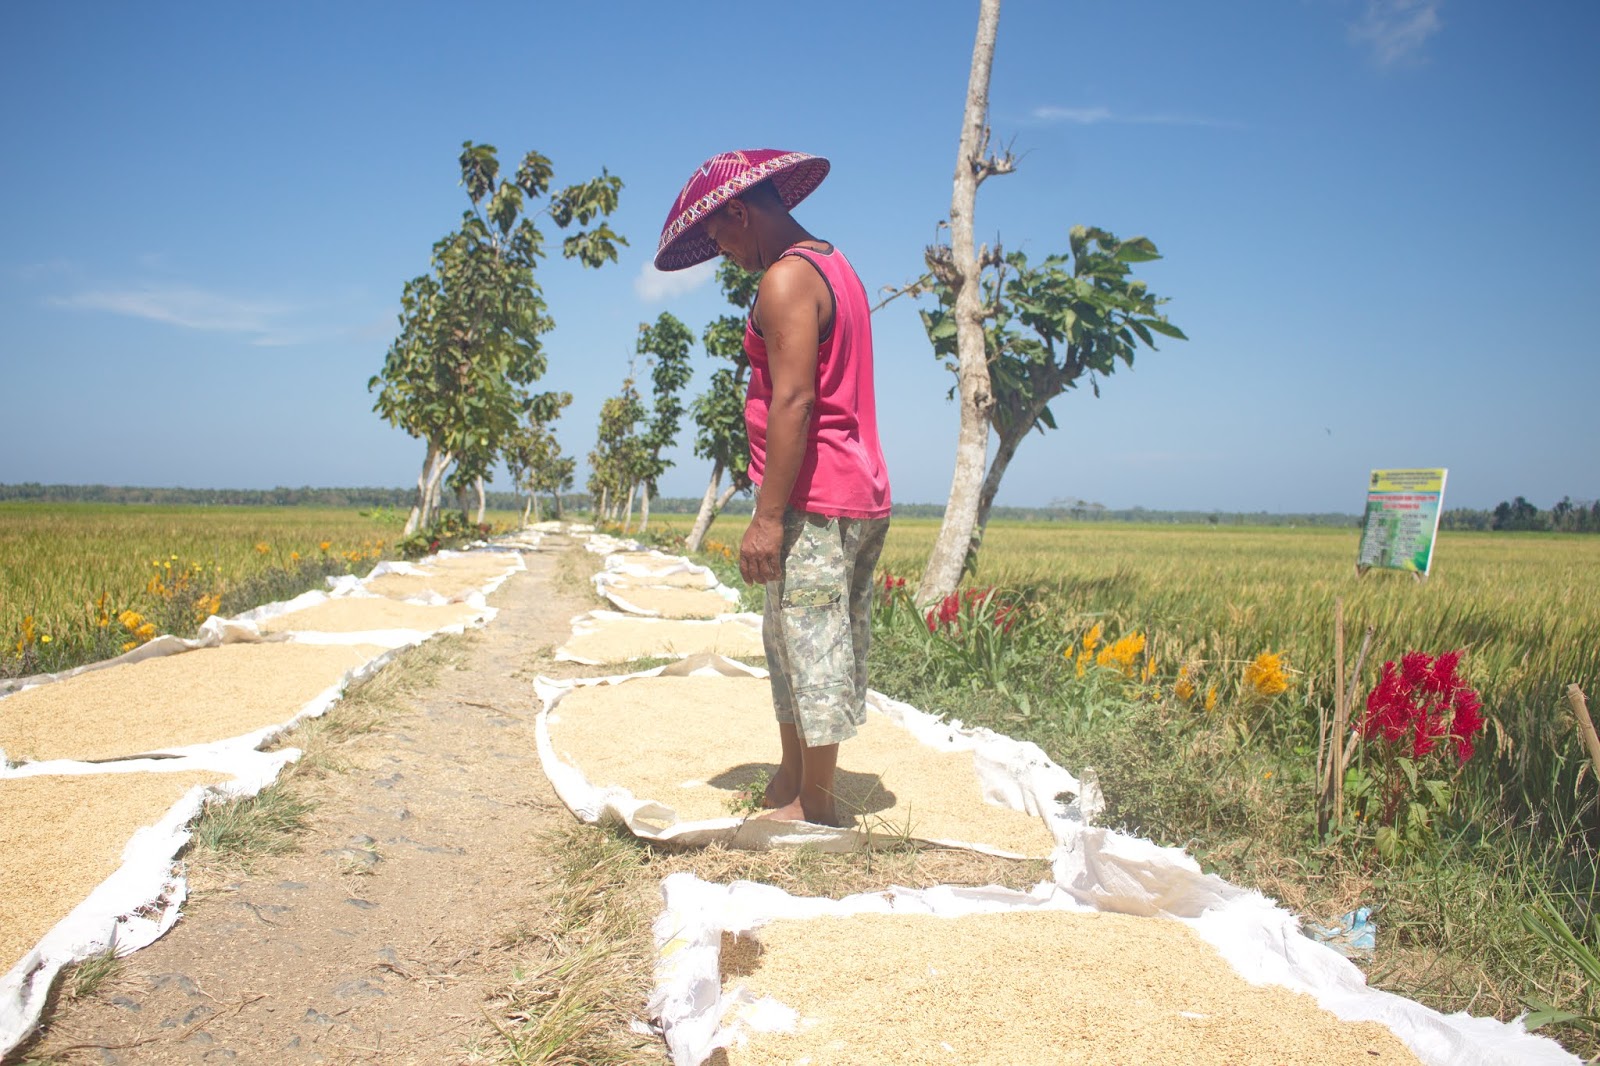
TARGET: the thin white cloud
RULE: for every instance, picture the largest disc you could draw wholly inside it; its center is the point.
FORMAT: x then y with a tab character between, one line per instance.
1396	30
654	286
179	305
1093	116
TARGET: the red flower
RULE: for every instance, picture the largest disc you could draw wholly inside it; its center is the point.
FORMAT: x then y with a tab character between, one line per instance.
1424	701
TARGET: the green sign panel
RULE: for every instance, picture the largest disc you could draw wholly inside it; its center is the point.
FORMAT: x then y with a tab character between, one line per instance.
1402	520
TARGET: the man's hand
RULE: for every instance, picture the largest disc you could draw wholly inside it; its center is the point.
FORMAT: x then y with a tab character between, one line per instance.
761	549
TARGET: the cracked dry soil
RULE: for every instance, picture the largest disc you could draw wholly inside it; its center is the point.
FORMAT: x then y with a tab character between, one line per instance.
383	938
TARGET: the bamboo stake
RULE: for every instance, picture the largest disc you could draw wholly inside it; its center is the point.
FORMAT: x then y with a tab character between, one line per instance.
1324	784
1341	726
1580	711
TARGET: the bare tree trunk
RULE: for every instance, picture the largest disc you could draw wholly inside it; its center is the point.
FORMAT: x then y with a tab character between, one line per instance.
483	502
433	468
600	515
461	502
708	510
627	516
943	571
415	518
529	505
644	507
555	502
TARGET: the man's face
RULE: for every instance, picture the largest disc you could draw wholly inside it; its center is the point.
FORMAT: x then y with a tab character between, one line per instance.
730	230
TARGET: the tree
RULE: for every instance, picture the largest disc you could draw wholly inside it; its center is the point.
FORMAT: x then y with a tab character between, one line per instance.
973	166
1079	316
617	462
533	456
667	345
469	342
718	412
1015	335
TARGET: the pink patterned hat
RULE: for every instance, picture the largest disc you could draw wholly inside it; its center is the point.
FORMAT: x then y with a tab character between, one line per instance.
720	179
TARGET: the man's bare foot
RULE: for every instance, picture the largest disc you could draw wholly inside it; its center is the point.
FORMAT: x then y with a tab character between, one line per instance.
795	811
782	790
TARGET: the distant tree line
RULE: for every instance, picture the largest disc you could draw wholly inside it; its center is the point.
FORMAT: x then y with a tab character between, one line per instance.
1519	515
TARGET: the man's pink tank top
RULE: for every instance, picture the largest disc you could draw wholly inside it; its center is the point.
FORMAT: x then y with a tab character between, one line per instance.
843	473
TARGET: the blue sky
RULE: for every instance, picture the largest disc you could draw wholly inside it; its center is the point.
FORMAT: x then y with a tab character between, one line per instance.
1378	220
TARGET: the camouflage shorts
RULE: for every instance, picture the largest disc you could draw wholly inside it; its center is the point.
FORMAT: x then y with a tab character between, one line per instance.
818	624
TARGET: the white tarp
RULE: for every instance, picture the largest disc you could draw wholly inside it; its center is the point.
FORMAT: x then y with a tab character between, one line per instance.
614	586
697	1016
145	883
1014	774
643	567
605	543
591	622
141	900
383	638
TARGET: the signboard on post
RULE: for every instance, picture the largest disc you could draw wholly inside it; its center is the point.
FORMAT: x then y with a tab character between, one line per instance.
1402	520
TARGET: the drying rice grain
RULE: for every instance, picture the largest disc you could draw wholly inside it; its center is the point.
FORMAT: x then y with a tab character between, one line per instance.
359	614
172	701
692	743
678	603
673	581
420	586
616	640
62	835
475	564
1027	989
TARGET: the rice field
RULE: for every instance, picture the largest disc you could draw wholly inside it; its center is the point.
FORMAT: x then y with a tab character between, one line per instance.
1525	607
72	573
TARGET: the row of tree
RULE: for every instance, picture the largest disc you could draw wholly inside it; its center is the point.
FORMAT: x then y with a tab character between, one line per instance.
470	346
1016	334
1519	515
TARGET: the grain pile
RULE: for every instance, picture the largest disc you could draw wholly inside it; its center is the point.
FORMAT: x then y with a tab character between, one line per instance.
1034	988
677	603
679	580
485	565
692	743
62	835
360	614
617	640
451	577
420	586
172	701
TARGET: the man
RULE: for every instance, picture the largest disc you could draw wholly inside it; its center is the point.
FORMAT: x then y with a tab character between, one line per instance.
822	500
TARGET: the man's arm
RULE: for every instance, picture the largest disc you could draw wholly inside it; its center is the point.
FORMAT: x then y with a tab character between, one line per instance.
790	303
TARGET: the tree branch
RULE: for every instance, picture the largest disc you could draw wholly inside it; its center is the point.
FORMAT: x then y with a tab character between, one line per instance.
916	288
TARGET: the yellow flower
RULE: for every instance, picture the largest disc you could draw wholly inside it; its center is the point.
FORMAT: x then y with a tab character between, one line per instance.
146	631
1211	697
1266	675
325	545
131	619
294	557
1091	639
1081	666
1149	671
262	548
45	639
1184	689
1122	653
130	645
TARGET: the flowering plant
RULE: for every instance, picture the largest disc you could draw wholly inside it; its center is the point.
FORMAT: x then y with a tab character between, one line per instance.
976	637
1423	719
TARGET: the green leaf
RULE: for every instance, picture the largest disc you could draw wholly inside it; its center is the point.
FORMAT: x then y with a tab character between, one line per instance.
1162	326
1137	250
